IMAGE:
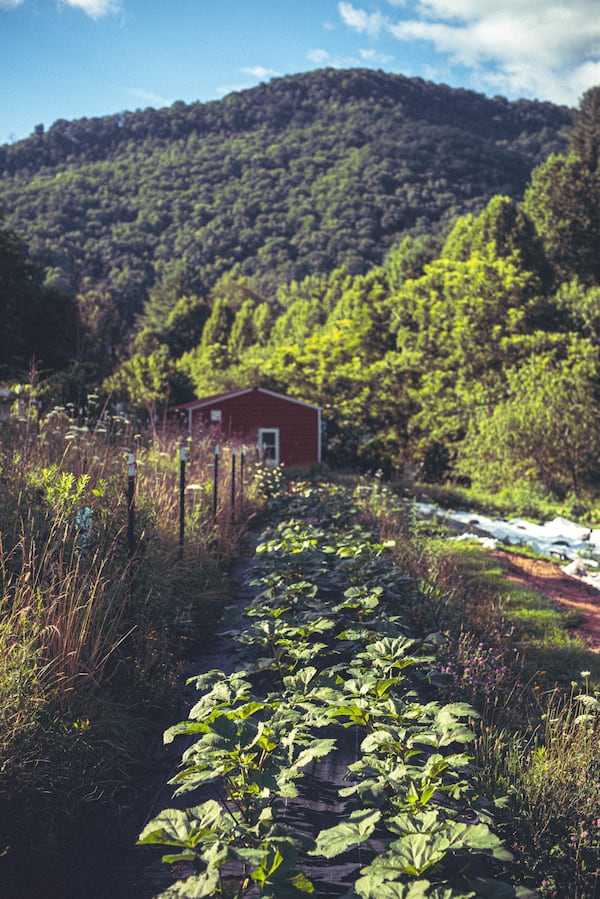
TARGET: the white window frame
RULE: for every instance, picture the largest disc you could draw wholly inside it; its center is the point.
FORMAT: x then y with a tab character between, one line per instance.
261	433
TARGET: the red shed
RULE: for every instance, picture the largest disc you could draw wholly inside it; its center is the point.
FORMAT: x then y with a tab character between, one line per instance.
287	430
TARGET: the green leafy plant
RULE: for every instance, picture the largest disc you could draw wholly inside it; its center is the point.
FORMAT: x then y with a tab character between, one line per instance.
332	600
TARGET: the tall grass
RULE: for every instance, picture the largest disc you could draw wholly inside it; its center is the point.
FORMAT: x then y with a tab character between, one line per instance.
551	776
539	738
92	637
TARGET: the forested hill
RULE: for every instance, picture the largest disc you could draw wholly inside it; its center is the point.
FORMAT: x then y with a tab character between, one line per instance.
295	177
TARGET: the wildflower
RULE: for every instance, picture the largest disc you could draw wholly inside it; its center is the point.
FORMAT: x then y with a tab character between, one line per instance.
585	673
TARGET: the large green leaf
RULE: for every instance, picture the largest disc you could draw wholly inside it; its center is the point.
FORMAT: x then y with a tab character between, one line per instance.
198	886
377	740
416	852
356	829
430	820
374	887
317	750
420	850
177	827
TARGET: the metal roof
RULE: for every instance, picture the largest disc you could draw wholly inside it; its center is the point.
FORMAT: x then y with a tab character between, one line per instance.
215	398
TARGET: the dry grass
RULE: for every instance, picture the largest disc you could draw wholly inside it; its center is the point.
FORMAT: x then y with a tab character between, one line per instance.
91	636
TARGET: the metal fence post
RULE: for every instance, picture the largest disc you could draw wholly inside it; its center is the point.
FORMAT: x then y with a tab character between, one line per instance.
242	466
215	482
233	483
182	461
131	485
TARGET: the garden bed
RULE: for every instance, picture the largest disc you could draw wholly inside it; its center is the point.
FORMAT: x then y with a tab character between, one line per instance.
326	646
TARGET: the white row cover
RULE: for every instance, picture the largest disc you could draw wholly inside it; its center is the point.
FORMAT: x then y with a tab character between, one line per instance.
557	538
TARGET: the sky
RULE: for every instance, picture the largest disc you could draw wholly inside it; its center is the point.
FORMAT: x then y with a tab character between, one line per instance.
69	59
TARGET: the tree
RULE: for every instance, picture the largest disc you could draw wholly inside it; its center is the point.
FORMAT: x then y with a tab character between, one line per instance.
584	137
286	180
184	324
546	430
581	305
242	334
409	258
100	333
504	229
38	322
364	401
563	202
563	198
146	382
454	327
263	323
218	326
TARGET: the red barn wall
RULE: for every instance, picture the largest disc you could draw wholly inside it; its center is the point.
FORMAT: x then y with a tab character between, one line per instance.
243	415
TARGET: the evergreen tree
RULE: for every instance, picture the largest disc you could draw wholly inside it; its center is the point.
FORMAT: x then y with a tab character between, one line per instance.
563	201
584	137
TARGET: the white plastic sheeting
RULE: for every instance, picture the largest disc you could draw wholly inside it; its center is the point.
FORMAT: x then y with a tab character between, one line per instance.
558	539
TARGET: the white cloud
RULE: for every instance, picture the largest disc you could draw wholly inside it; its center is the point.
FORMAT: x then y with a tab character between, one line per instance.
373	57
322	58
475	9
153	99
318	56
509	31
95	8
361	21
542	48
225	89
259	72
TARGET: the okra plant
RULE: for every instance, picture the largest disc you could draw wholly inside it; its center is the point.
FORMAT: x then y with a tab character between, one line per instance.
327	650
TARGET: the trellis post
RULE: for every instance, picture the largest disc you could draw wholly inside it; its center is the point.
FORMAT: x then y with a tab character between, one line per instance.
216	481
131	485
242	466
233	483
182	461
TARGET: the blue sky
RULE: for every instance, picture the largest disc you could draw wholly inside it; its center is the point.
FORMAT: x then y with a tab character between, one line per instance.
66	59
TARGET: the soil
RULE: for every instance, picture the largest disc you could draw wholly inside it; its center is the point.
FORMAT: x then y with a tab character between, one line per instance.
569	593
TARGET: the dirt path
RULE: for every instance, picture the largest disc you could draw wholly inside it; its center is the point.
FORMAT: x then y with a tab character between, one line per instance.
569	593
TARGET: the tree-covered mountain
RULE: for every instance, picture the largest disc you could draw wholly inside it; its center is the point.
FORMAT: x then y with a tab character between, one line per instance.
293	178
411	258
478	360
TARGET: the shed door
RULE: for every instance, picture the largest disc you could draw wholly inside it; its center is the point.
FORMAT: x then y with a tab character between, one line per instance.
268	442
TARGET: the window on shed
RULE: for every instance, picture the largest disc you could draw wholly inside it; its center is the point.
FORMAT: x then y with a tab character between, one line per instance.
268	444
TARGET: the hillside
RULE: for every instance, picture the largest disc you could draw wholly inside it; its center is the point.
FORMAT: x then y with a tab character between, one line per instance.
291	178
